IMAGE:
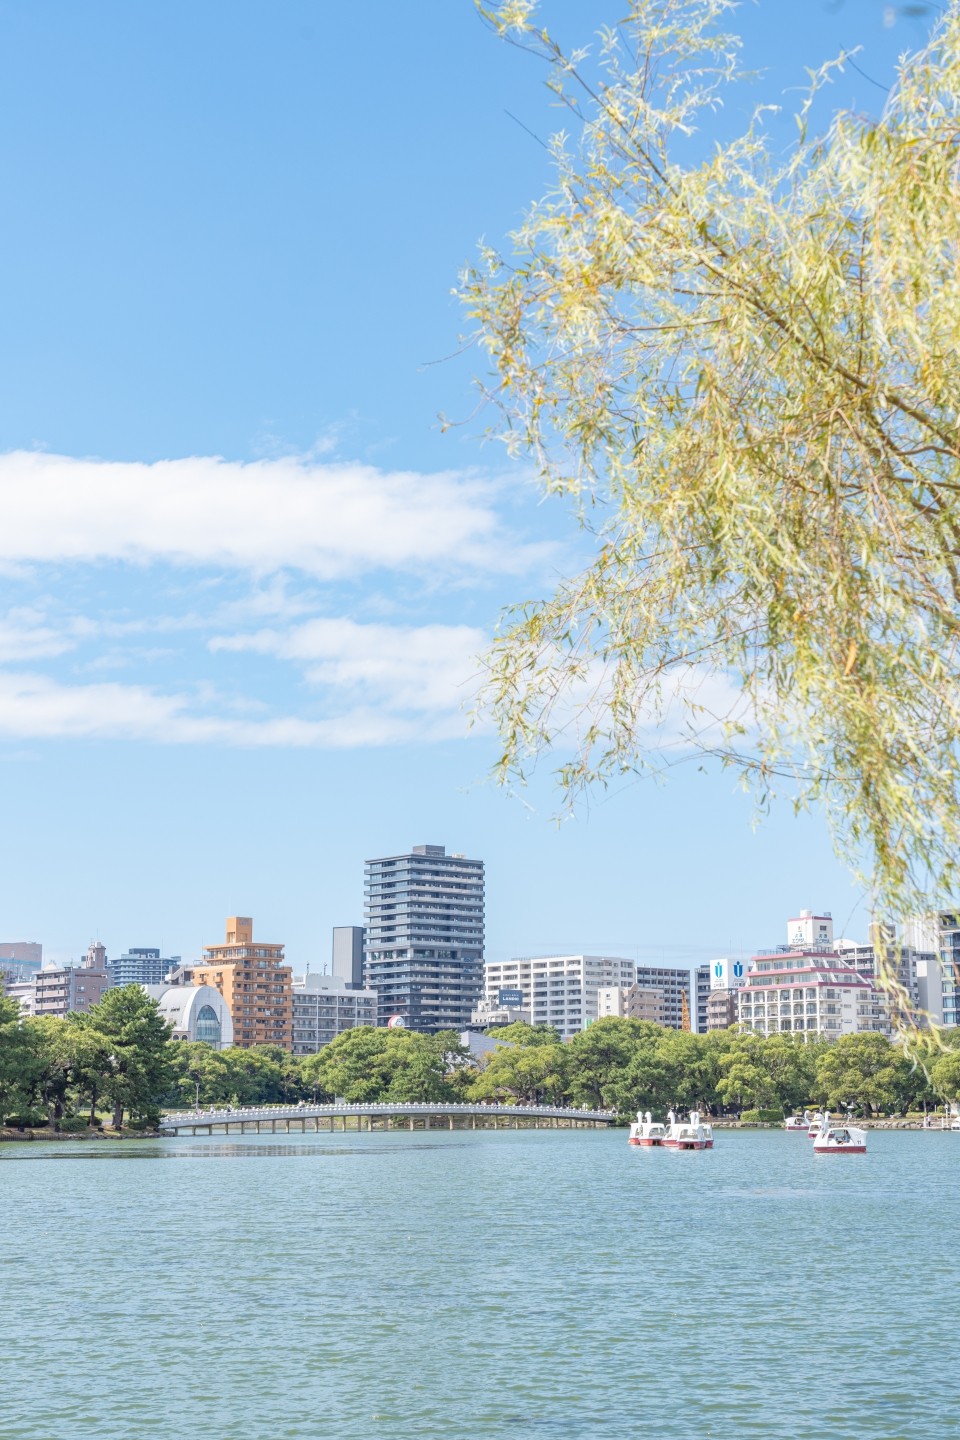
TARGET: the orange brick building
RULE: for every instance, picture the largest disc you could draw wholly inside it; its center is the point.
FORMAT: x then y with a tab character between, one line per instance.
254	982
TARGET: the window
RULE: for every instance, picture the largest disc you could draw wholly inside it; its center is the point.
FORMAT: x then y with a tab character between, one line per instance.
208	1026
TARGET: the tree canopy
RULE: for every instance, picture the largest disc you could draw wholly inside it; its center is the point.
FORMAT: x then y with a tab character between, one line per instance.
119	1054
742	367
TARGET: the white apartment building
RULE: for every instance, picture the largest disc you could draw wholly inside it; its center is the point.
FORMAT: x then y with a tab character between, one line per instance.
811	991
324	1006
559	990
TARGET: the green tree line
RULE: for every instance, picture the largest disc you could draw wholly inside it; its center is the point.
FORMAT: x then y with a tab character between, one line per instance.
118	1061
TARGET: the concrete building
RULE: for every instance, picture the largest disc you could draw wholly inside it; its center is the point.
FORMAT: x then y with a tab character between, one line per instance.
899	959
255	983
722	1009
496	1012
810	991
807	931
424	937
140	966
348	955
702	985
675	984
560	990
727	976
20	959
196	1012
23	991
61	990
631	1002
939	934
930	990
324	1006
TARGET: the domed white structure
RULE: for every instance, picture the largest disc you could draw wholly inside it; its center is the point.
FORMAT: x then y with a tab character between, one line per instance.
196	1012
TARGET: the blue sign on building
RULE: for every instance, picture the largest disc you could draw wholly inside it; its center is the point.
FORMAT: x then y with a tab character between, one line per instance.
513	999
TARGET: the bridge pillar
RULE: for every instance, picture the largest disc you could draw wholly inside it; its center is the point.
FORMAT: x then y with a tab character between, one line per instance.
410	1122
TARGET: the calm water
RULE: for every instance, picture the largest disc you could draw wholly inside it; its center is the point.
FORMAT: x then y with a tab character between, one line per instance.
478	1285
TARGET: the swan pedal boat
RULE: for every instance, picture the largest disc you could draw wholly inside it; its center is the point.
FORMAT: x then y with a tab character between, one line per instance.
840	1140
646	1131
688	1135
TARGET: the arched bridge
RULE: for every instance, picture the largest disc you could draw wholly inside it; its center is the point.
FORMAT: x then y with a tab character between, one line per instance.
383	1116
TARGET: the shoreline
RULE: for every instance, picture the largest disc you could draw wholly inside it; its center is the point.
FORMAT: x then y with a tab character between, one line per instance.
27	1136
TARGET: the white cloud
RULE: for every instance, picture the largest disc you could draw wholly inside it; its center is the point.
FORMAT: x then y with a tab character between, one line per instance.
327	520
397	668
24	635
39	708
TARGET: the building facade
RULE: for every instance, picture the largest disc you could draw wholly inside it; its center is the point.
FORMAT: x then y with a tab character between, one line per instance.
140	966
721	1009
62	990
885	952
324	1006
20	959
632	1002
498	1012
807	931
939	933
702	978
423	952
675	984
559	990
196	1012
727	977
254	981
23	991
348	955
812	992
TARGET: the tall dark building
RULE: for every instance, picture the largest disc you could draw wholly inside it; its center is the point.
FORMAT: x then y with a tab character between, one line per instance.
423	951
348	955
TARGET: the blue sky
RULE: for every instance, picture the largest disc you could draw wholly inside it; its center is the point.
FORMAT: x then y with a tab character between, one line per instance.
243	570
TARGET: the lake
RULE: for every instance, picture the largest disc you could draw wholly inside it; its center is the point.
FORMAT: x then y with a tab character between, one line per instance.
478	1284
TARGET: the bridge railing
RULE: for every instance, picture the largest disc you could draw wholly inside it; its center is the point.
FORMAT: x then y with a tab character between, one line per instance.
381	1107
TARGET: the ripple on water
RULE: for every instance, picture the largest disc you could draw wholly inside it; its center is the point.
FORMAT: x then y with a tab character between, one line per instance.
477	1286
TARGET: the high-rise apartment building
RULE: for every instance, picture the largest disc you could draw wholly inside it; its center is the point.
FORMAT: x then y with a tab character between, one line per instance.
141	966
423	950
254	981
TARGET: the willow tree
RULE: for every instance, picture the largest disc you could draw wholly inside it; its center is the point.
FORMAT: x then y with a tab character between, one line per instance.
742	367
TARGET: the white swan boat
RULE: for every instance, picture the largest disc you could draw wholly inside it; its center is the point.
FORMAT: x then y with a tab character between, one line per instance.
840	1140
646	1131
816	1123
799	1123
689	1134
